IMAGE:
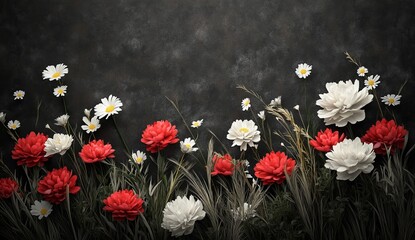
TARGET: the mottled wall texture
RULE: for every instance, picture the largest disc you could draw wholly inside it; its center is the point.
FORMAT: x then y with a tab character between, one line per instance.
197	52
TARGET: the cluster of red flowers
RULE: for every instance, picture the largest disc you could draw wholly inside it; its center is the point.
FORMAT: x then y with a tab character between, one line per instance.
96	151
159	135
29	151
124	204
7	187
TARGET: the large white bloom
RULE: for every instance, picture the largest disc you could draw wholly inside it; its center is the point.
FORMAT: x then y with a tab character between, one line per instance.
18	95
343	102
186	146
303	70
138	157
13	125
41	209
349	158
90	125
243	214
2	117
55	73
180	215
60	143
244	133
62	120
109	106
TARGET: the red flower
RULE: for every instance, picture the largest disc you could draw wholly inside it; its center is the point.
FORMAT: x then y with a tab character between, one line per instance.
7	187
53	185
222	165
96	151
158	135
270	168
385	134
29	151
325	141
124	204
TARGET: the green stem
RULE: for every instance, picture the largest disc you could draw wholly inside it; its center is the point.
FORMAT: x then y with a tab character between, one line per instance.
378	103
69	212
120	136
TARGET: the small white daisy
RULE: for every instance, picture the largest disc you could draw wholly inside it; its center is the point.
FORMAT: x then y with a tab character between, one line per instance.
276	102
2	117
138	157
297	107
109	106
362	71
55	73
246	104
372	81
18	95
303	70
60	91
62	120
41	209
186	146
90	125
391	99
13	125
196	124
261	115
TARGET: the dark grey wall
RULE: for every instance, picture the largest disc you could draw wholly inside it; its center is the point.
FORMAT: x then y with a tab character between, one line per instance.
196	51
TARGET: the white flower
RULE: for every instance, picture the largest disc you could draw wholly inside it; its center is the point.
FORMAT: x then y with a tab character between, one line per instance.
13	124
87	112
246	104
41	209
197	123
180	215
275	102
186	146
60	143
261	115
343	102
303	70
91	125
243	214
138	157
282	144
2	117
55	73
391	99
60	91
372	82
247	165
361	71
297	107
349	158
244	133
62	120
48	127
18	95
109	106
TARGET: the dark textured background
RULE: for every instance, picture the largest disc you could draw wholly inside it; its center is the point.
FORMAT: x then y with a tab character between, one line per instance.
196	51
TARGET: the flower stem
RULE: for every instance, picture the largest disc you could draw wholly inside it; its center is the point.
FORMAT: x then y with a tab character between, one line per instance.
68	205
377	101
119	135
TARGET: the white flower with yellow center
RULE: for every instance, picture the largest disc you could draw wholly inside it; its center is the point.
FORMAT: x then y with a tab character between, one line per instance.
303	70
109	106
2	117
60	143
13	125
246	104
276	102
62	120
197	123
361	71
242	214
60	91
55	73
138	157
41	209
261	115
18	95
372	82
391	99
244	133
90	125
186	146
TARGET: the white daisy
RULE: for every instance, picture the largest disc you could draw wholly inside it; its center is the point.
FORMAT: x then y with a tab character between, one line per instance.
13	125
90	125
109	106
2	117
303	70
18	95
391	99
246	104
55	73
139	157
261	115
362	71
276	102
186	146
41	209
196	124
60	91
372	81
60	143
62	120
297	107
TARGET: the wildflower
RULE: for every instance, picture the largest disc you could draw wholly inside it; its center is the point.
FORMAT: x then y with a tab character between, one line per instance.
30	151
303	70
18	95
186	146
159	135
196	124
55	73
246	104
391	99
244	133
361	71
124	204
41	209
60	91
60	143
96	151
108	107
90	125
13	125
271	168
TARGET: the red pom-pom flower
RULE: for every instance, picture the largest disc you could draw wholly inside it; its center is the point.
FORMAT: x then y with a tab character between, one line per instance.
325	141
53	185
96	151
124	204
158	135
7	187
385	134
270	169
222	165
29	151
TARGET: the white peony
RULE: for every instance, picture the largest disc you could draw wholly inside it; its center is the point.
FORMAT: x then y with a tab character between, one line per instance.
244	133
186	146
60	143
349	158
243	214
180	215
343	102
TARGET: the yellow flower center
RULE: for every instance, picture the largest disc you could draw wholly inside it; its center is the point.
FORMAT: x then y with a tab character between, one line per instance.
13	126
187	145
371	82
361	70
19	94
244	130
110	108
247	102
391	100
138	159
91	126
303	71
43	211
196	124
56	75
60	91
